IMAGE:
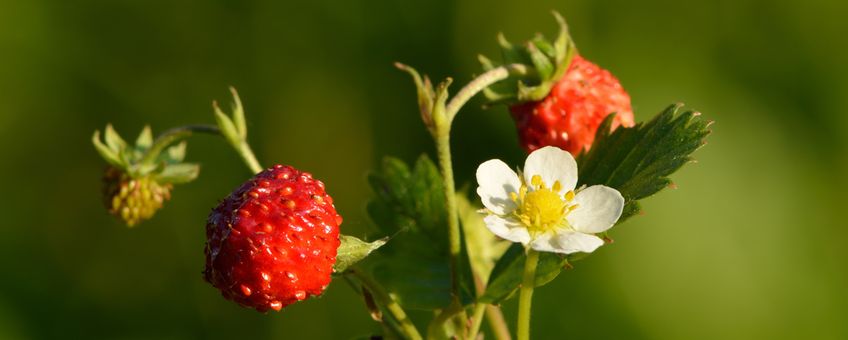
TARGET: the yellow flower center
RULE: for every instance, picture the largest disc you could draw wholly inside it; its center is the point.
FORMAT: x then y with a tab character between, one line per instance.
543	209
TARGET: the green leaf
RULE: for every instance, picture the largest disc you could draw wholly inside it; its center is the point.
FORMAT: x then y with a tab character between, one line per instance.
637	161
178	173
509	271
353	250
410	204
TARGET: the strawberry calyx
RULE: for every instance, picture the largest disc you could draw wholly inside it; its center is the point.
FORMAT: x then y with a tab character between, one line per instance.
140	177
547	60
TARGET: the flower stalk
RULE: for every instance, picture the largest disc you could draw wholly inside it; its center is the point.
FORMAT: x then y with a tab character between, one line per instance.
525	296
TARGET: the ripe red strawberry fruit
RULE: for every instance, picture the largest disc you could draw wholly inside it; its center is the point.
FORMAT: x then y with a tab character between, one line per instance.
563	98
570	114
273	241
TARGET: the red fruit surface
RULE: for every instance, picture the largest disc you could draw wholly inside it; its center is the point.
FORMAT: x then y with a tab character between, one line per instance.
273	241
570	115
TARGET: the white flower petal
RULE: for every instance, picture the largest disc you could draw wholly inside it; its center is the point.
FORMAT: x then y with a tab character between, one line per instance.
546	242
507	228
599	207
552	164
496	181
567	242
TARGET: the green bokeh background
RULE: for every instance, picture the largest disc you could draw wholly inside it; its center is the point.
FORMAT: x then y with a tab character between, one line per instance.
751	244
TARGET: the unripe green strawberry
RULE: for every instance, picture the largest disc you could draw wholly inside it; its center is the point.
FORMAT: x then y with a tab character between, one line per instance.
133	199
140	177
273	241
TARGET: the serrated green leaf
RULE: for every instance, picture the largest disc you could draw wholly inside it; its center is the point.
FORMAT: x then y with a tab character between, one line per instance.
114	140
414	266
637	161
105	152
178	173
145	139
353	250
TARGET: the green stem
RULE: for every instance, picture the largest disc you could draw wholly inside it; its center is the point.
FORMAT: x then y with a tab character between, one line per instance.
477	319
495	318
248	157
182	132
407	328
525	296
479	84
174	135
446	165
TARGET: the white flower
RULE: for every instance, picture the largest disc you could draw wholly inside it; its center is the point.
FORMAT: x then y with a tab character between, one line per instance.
555	218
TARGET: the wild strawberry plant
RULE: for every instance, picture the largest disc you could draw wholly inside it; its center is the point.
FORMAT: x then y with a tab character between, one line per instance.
275	239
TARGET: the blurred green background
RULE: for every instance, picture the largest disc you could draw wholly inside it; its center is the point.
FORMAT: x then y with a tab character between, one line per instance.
749	246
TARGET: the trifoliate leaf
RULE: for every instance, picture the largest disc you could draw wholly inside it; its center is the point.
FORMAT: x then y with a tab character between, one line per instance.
636	161
353	250
414	266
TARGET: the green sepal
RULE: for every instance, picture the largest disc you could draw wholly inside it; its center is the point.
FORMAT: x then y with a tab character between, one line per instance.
238	115
636	161
353	250
178	173
424	90
144	140
114	140
228	128
176	153
547	62
109	155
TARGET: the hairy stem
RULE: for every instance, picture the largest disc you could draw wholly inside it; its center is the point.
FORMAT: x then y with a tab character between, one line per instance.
525	296
479	84
174	135
407	328
182	132
248	157
444	154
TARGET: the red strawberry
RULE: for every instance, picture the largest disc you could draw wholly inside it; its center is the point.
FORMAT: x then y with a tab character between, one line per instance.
273	241
570	114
